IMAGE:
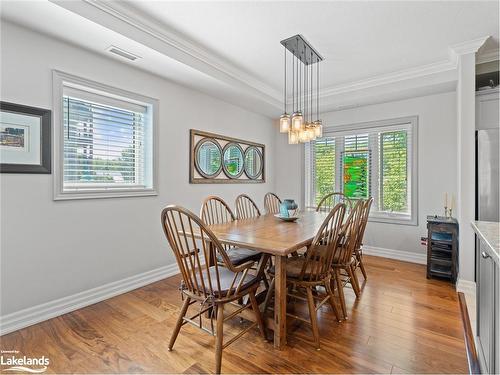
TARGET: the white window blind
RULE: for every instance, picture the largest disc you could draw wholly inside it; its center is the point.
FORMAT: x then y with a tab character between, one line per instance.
106	144
103	145
371	159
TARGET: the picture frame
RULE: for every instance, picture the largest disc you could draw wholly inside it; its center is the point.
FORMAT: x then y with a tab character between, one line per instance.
218	159
25	139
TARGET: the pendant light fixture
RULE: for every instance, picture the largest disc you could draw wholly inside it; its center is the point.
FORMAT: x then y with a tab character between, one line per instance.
285	117
300	126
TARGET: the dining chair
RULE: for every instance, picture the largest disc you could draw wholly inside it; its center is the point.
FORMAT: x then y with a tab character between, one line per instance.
304	273
272	203
212	287
358	249
246	207
343	258
214	210
331	199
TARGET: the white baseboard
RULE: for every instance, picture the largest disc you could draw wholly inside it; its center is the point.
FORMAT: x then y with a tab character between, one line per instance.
466	286
36	314
395	254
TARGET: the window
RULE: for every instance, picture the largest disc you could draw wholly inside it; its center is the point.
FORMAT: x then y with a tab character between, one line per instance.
106	141
375	159
324	168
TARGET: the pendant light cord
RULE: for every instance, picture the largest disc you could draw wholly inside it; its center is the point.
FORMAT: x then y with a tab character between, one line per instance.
284	94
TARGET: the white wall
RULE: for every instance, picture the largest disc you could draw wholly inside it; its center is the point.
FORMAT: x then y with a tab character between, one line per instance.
437	165
54	249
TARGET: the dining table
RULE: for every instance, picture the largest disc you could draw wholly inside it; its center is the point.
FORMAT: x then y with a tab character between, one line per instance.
277	238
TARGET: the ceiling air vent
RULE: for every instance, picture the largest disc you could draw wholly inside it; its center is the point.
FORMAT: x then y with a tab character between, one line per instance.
122	53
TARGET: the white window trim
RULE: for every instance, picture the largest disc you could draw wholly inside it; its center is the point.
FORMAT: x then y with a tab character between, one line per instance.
390	218
59	81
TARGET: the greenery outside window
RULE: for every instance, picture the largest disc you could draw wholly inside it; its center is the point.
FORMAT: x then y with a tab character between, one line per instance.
377	159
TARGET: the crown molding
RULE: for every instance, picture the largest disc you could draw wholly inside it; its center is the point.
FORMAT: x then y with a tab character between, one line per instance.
122	18
470	46
391	78
489	56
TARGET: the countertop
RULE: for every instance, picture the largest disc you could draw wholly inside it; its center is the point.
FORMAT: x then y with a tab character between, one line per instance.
489	233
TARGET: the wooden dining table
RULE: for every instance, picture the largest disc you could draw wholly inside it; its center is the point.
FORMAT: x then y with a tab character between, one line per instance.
273	236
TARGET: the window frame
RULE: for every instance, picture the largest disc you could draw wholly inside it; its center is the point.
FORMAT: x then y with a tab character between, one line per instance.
338	132
60	80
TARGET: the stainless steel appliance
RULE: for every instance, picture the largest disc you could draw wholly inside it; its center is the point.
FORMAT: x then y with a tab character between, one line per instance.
487	210
488	177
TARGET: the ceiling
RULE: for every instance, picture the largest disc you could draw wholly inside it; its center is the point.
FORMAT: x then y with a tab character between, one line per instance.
357	39
373	50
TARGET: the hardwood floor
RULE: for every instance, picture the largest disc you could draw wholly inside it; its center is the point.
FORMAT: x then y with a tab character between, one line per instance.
402	323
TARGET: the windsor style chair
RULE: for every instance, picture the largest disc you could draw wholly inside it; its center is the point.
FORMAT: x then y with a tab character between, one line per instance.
272	203
306	272
358	249
212	286
343	258
246	207
330	200
214	210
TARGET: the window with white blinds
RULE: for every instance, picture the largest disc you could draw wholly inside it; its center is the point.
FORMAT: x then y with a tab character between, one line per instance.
106	144
375	159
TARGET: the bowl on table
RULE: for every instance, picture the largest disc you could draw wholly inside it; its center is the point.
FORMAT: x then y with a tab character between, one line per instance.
287	218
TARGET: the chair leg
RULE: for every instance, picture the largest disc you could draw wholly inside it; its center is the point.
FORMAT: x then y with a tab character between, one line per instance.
313	316
178	325
268	296
218	338
354	280
258	316
361	265
329	290
340	288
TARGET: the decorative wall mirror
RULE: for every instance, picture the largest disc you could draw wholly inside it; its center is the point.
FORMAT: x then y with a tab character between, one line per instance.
253	162
208	160
218	159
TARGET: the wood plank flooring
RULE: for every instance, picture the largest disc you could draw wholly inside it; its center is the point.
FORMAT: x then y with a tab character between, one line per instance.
402	323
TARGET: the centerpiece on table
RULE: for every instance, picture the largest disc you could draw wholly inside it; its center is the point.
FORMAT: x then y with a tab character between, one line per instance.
289	210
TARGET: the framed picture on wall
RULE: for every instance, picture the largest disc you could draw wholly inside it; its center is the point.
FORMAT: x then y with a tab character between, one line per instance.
25	139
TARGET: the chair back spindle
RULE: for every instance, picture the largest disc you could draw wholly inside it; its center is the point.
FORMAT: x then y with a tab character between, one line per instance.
215	210
272	203
364	220
343	252
319	256
246	207
200	279
330	200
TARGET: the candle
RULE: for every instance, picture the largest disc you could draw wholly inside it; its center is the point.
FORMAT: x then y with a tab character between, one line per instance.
452	204
446	199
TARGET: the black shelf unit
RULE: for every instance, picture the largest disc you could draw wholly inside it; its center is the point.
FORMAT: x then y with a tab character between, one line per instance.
442	247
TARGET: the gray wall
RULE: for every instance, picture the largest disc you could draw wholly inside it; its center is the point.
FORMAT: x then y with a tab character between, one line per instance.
54	249
437	165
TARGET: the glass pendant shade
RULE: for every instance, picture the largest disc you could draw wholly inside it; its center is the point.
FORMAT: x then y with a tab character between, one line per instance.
318	129
297	121
309	133
284	123
293	138
303	136
312	133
